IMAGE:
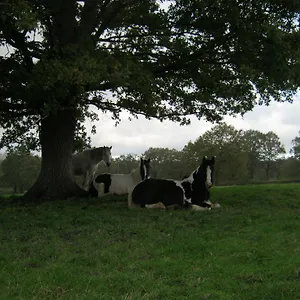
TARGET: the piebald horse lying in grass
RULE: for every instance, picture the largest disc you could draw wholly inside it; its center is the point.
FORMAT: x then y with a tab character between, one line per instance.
85	163
120	184
191	192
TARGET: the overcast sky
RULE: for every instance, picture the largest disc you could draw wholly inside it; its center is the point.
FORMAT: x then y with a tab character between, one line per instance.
138	135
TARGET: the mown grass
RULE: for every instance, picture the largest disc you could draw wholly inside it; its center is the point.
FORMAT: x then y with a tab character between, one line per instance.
248	249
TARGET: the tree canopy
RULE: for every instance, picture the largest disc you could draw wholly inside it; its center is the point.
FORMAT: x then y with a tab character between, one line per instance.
161	59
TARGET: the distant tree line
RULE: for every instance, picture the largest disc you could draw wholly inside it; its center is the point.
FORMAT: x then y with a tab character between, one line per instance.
242	156
19	169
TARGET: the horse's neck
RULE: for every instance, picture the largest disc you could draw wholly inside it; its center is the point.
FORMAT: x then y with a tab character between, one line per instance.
85	161
95	159
78	160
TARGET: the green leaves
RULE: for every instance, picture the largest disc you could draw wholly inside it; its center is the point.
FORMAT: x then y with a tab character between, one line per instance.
21	12
184	58
296	146
241	155
20	169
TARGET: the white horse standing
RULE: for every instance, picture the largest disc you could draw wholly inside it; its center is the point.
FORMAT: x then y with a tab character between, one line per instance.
85	162
120	184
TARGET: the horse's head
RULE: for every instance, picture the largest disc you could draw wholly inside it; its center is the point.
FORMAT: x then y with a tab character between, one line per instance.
202	176
145	168
103	153
107	158
201	180
206	171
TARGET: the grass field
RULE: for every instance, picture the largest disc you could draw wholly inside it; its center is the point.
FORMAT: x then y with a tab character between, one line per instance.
248	249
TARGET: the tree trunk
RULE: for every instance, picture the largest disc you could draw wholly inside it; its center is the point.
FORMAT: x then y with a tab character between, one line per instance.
56	180
268	166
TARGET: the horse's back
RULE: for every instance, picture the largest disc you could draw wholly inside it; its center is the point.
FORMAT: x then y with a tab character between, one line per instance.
80	162
121	183
153	190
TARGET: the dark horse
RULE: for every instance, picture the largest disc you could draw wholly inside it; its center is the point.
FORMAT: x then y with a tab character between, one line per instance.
190	192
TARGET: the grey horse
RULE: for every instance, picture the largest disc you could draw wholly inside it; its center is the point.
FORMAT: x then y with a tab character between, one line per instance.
85	162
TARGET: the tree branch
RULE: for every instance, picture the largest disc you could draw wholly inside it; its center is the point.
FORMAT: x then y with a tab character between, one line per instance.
34	49
108	17
17	40
114	38
64	23
99	86
6	106
89	18
117	108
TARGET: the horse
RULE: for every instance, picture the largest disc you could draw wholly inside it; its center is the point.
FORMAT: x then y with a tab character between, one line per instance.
191	192
85	163
120	184
201	190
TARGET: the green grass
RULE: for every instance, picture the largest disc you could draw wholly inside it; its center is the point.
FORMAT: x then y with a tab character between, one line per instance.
248	249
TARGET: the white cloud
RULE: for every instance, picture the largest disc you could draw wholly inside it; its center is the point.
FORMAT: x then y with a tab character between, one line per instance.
138	135
281	118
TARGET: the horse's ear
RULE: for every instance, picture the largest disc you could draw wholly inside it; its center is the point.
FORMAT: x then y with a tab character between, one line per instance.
110	147
213	159
148	160
204	159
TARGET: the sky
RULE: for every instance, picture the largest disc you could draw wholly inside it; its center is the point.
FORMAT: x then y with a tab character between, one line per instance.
139	135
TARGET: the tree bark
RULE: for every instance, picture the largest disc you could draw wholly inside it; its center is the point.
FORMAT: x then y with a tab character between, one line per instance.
56	180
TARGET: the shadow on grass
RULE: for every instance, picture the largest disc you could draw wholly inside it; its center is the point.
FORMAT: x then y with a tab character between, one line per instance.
13	200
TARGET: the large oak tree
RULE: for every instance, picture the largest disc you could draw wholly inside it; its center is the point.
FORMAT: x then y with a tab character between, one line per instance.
161	59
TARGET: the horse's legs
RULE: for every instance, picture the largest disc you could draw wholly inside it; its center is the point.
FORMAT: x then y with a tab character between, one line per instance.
198	208
131	205
87	180
215	205
159	205
174	207
212	205
82	183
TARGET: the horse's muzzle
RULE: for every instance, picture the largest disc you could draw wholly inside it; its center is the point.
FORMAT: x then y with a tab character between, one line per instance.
108	164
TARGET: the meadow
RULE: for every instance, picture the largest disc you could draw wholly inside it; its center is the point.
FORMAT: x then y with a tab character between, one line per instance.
98	249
